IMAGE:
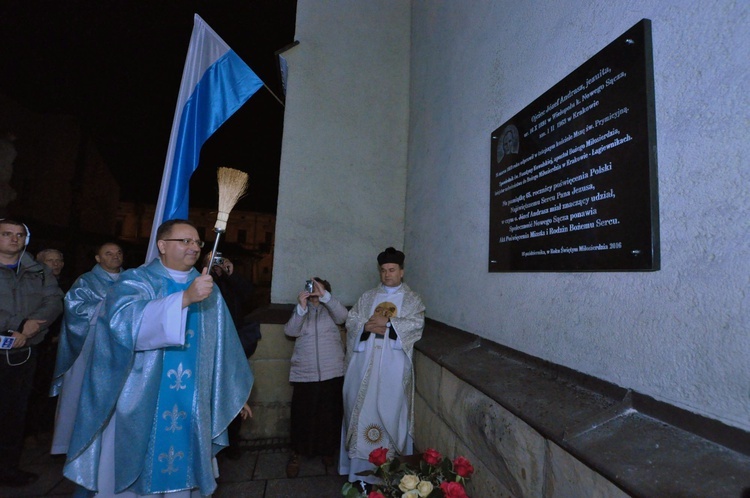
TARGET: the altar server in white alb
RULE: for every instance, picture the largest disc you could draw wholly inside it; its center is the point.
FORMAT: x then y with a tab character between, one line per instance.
381	330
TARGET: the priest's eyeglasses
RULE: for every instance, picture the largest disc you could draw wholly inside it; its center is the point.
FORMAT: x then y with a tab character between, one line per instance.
187	242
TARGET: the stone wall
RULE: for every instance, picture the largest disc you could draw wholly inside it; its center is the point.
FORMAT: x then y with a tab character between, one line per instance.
510	458
271	398
530	428
536	429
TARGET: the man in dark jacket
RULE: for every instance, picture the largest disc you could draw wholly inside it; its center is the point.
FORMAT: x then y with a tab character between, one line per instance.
30	299
236	291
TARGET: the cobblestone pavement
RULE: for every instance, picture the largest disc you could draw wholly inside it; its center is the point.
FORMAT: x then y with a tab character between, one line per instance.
260	472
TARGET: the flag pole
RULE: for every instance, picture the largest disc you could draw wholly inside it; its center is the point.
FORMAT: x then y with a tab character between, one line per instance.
274	95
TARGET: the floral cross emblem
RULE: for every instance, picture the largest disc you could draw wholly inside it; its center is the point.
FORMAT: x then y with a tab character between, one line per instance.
178	376
170	458
175	415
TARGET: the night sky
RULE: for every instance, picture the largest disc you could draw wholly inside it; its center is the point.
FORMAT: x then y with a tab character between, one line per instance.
117	66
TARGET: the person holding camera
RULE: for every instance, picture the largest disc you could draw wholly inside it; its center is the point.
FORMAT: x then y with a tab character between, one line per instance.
234	288
316	374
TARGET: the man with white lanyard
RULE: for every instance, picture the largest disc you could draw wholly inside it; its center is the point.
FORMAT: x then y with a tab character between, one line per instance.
30	299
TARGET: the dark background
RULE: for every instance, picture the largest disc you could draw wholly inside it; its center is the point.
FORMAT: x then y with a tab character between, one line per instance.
117	66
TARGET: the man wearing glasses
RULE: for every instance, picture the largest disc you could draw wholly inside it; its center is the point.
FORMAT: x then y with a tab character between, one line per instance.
167	371
29	300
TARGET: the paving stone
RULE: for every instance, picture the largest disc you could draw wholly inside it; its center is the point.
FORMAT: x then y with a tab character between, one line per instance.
247	489
256	474
308	487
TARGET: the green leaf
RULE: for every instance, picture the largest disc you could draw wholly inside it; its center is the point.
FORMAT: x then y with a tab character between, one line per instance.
349	491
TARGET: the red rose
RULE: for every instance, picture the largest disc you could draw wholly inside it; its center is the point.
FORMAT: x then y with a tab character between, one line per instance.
463	467
432	457
375	494
378	456
453	490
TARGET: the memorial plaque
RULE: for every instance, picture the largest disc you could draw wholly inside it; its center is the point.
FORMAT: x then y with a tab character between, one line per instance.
573	183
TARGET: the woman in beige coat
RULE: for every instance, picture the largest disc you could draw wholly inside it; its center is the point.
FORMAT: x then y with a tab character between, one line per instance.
317	375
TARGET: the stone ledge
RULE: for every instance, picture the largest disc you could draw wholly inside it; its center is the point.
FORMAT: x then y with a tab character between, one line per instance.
645	447
273	313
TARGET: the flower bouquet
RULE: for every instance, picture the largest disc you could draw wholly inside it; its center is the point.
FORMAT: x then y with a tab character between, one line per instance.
429	475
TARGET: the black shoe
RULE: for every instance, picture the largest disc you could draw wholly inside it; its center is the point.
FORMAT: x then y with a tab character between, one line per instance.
292	466
17	477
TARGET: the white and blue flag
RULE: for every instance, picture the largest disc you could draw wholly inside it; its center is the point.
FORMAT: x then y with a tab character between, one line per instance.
215	83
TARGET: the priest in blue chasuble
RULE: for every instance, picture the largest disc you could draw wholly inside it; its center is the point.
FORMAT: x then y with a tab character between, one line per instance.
83	302
166	376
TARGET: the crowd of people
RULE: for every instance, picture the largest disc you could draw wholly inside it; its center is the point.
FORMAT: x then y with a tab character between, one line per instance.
148	366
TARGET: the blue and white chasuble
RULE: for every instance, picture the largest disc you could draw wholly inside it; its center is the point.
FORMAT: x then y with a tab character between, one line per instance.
170	404
172	446
83	303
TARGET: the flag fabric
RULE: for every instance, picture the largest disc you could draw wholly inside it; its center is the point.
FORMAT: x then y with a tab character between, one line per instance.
215	83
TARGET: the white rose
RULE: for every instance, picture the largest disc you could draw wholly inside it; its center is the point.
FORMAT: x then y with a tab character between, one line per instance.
424	488
408	482
412	493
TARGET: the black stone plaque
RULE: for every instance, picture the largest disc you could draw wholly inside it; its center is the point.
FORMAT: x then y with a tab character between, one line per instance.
573	182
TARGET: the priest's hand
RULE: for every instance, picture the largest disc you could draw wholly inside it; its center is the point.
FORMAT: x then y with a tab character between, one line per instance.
377	324
246	412
199	289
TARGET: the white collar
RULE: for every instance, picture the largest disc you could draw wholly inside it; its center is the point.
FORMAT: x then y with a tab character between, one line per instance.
177	275
391	290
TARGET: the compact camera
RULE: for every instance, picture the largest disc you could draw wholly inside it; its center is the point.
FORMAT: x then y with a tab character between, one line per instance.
218	259
309	287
